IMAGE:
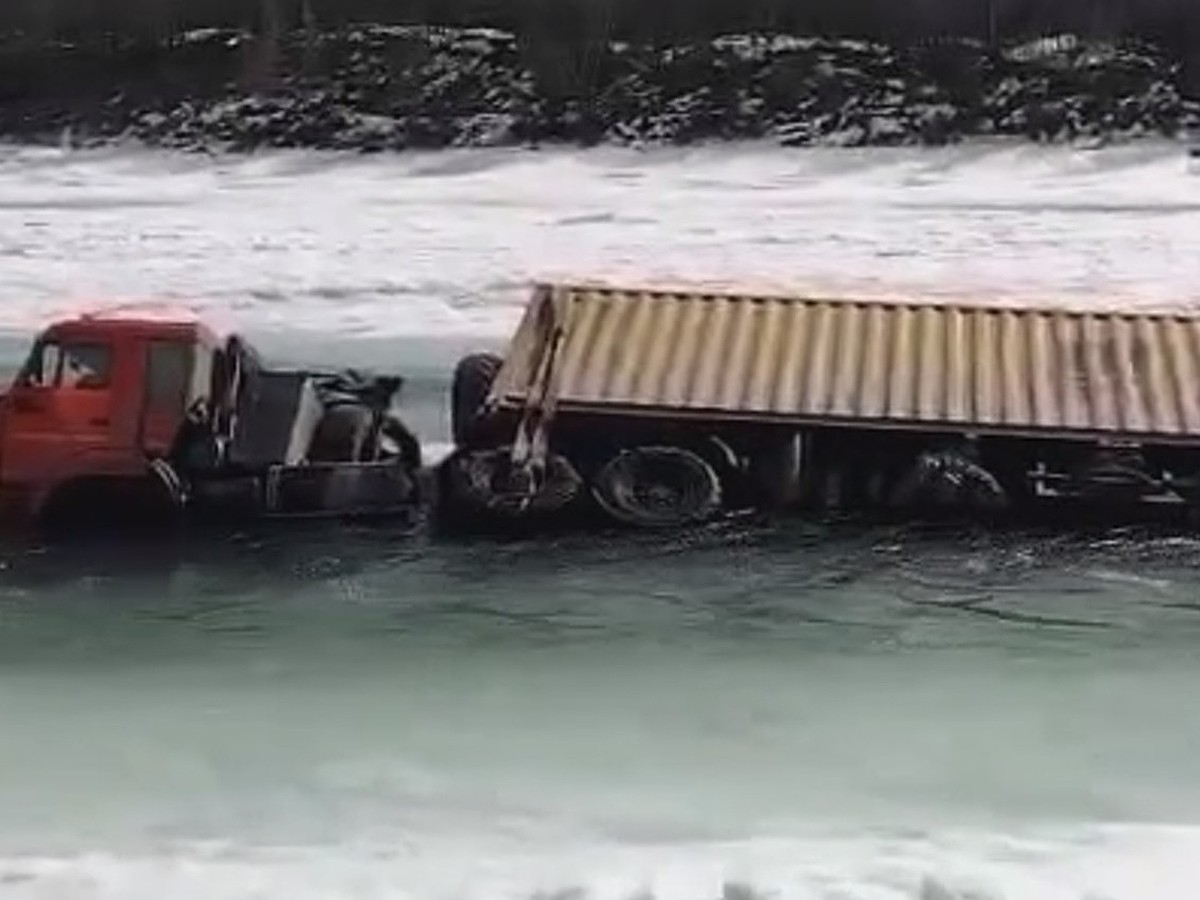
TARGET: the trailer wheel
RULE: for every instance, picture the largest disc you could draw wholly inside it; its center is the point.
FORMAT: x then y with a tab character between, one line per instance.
948	478
473	378
477	481
341	435
1112	478
658	487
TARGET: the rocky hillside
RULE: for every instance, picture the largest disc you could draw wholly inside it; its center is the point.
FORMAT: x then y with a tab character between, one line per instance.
376	89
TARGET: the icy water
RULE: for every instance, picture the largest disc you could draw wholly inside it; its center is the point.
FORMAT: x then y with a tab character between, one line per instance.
802	711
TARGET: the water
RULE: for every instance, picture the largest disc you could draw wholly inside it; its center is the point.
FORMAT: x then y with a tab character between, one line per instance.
810	710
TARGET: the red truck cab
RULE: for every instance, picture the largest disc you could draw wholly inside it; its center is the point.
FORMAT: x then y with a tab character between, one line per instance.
97	398
118	419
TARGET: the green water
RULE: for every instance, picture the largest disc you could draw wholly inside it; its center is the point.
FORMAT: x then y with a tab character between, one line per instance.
803	709
719	686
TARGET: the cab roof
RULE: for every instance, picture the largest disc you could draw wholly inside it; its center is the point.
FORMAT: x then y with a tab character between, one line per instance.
112	328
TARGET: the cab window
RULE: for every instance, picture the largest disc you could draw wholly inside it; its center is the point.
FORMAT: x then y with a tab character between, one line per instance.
168	373
69	364
43	367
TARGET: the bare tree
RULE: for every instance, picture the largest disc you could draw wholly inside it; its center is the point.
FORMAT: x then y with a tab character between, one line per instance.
563	23
263	55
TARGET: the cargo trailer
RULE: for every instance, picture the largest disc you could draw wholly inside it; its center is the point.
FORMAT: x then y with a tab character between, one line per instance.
666	406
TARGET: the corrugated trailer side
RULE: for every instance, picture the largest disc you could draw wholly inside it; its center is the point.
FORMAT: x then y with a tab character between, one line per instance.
993	369
788	395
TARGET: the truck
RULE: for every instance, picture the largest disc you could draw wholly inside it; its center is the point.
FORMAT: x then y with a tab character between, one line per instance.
660	406
643	407
118	420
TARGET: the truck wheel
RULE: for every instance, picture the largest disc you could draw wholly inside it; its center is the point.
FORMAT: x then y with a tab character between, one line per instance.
341	435
473	378
103	504
658	487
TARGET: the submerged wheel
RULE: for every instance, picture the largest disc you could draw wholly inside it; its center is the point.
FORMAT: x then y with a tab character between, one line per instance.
482	480
658	487
949	480
104	505
473	378
341	435
1112	478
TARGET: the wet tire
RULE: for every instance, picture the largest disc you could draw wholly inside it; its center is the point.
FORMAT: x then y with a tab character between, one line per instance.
658	487
1114	481
111	505
476	481
341	435
939	480
473	379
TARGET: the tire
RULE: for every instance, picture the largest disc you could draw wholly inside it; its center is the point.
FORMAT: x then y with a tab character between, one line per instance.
658	487
109	505
1113	481
949	480
341	435
474	480
473	378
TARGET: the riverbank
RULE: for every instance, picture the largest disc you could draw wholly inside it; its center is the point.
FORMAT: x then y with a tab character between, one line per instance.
376	88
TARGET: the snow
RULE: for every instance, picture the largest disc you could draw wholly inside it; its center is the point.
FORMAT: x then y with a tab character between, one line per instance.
445	244
1120	862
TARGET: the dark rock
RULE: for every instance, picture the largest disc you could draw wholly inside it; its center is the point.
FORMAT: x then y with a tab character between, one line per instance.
377	89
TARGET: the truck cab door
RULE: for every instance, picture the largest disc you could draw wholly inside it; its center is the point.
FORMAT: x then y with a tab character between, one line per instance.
166	386
59	408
